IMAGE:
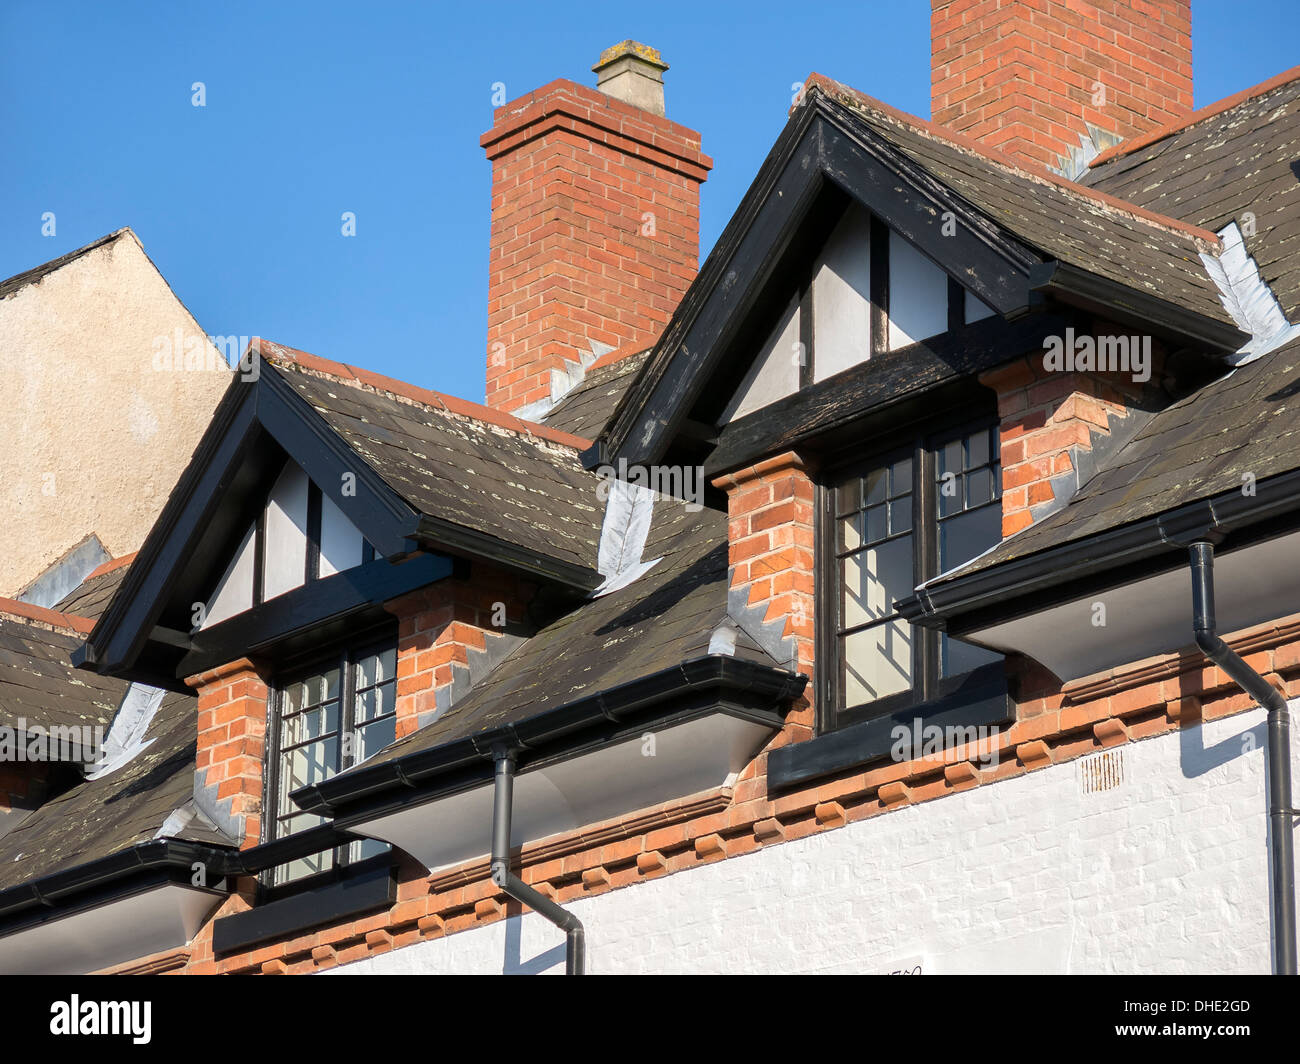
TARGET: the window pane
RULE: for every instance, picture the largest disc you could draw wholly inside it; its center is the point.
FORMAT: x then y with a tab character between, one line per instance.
876	662
876	526
848	496
323	687
902	477
950	458
950	496
849	536
877	485
900	515
977	449
364	848
387	699
374	737
962	538
874	579
306	765
957	656
311	724
979	487
305	866
366	705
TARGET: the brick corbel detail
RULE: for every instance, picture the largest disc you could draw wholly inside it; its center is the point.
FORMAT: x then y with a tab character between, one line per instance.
231	746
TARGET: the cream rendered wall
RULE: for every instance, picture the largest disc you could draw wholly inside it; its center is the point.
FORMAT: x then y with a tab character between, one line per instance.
93	437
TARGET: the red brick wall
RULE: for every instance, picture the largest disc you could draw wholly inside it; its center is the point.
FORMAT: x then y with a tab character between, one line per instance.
771	550
232	740
1021	75
439	625
1048	418
572	258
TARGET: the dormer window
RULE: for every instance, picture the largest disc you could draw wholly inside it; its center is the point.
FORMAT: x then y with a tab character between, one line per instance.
326	718
890	523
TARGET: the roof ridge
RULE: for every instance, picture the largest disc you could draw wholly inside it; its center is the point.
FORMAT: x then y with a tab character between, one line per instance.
1133	144
25	611
1045	176
111	564
356	377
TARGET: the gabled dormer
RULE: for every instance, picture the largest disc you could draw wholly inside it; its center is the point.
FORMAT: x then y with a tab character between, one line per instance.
860	369
941	253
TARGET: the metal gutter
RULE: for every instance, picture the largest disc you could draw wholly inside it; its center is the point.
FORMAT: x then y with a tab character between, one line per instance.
426	774
935	605
1280	844
59	890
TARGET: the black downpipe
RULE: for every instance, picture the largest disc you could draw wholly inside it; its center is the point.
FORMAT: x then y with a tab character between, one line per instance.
575	954
1281	856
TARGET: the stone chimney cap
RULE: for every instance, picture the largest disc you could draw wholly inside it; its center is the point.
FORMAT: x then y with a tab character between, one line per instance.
633	73
633	49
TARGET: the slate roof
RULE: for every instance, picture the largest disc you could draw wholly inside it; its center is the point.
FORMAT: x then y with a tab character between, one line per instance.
1245	422
1063	220
665	617
586	410
39	685
92	596
1210	173
102	816
481	472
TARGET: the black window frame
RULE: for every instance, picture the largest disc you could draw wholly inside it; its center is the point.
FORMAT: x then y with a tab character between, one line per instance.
923	444
343	654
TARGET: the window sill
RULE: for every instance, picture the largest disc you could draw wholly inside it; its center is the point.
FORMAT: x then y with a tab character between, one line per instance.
986	703
351	896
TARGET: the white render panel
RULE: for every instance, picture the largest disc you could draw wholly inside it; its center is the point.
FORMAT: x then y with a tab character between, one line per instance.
284	562
774	373
1167	872
340	539
918	295
235	592
842	297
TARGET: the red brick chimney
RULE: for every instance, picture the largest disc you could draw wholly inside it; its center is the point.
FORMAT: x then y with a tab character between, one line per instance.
595	224
1032	76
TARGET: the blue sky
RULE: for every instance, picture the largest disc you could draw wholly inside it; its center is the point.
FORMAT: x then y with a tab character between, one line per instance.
313	109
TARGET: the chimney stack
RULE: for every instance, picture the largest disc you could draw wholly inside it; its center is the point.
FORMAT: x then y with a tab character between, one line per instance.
595	225
1055	81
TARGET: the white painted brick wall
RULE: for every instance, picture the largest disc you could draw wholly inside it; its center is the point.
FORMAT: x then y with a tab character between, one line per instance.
1166	873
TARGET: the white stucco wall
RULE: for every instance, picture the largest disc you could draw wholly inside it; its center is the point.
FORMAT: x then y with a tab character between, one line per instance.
1167	872
94	436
